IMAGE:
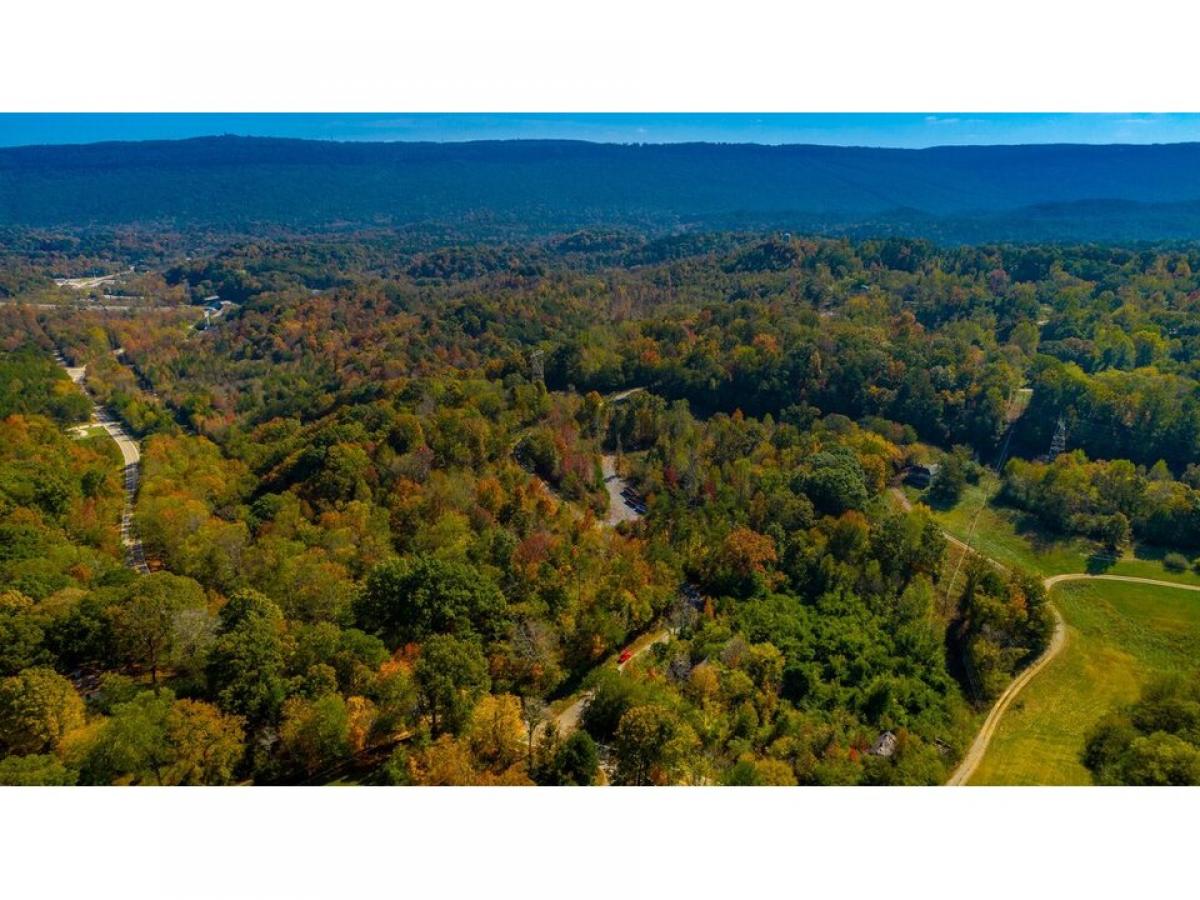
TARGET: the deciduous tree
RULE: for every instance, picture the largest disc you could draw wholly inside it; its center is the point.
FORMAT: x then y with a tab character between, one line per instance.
38	708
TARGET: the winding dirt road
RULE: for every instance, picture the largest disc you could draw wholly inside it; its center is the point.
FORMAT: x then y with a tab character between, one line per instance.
975	753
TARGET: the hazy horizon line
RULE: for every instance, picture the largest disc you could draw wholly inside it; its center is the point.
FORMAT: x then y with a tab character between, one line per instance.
893	131
595	142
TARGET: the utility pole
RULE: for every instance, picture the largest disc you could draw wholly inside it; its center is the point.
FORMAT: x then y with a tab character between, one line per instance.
1058	443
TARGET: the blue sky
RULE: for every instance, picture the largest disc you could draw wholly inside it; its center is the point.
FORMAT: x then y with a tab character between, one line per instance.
860	129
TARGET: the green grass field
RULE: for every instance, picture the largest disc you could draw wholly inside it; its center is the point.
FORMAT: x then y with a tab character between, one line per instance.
1014	538
91	431
1118	636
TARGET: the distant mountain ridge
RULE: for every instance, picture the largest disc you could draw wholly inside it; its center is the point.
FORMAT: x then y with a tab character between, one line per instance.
1042	191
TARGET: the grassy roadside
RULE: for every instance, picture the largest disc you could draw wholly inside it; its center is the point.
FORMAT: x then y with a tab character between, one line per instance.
90	431
1017	539
1118	637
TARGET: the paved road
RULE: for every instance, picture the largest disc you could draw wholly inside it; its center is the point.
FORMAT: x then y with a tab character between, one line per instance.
81	305
621	395
619	509
82	284
90	304
568	719
135	555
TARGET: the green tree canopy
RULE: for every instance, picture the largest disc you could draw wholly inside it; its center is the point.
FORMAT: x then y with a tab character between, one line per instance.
246	664
153	624
36	770
1154	741
38	708
450	674
412	598
156	739
836	482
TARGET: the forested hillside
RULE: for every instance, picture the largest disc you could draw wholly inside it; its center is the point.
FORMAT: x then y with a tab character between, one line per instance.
380	494
491	188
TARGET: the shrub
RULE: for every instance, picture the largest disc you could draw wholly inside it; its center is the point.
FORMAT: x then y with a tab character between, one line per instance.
1175	562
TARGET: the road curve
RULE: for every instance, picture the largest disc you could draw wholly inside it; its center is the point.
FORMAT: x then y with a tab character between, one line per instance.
623	395
568	719
975	753
135	555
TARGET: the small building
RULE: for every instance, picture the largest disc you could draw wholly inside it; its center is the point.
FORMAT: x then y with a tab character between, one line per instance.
921	476
885	745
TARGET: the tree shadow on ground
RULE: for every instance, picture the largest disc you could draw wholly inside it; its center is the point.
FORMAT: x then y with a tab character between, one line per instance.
1149	552
1041	539
1099	563
937	501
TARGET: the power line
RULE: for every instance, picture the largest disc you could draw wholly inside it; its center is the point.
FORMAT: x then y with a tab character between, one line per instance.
1001	459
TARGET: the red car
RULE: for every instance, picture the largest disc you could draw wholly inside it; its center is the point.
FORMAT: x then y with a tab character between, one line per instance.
626	656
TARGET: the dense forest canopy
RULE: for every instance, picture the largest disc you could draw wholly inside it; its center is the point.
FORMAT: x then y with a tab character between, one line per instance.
379	497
